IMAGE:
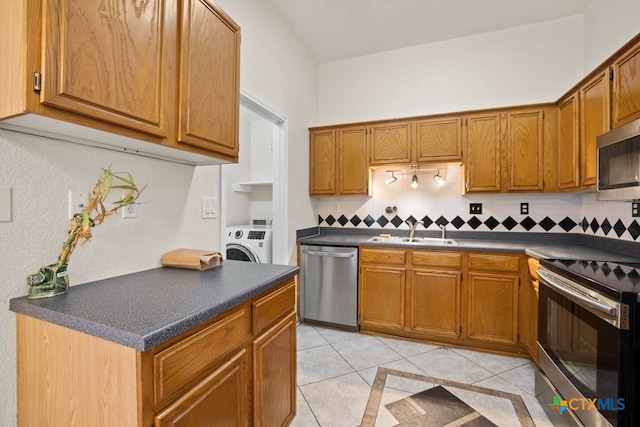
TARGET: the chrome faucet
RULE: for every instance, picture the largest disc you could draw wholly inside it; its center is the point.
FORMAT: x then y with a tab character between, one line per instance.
444	230
412	227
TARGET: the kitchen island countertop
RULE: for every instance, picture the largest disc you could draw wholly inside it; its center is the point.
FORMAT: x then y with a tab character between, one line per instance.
142	310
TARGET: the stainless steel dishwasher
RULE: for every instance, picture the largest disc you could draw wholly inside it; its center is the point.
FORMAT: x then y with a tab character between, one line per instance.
330	285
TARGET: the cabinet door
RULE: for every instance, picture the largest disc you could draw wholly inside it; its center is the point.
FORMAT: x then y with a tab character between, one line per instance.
482	167
382	297
493	308
108	61
524	146
626	90
322	163
391	143
529	317
353	168
434	302
209	76
594	120
439	140
568	143
220	399
274	374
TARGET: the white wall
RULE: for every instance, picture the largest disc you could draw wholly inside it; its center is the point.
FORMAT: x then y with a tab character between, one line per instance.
607	26
40	172
523	65
277	70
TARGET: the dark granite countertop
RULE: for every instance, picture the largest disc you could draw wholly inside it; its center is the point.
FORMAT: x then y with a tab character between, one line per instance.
537	245
145	309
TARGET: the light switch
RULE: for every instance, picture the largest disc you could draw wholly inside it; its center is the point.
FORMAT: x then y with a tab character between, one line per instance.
5	204
208	208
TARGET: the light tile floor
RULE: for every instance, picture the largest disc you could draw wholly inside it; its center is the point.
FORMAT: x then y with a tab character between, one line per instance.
336	370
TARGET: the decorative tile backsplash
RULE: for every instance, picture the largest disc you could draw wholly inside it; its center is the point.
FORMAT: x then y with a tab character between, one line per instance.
435	205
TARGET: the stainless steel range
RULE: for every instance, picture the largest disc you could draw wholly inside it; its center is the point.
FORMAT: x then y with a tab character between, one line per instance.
588	342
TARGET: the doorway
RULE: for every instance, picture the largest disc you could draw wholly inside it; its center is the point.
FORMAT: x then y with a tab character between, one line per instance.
255	188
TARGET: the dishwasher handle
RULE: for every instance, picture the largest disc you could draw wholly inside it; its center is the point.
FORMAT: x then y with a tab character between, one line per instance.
330	254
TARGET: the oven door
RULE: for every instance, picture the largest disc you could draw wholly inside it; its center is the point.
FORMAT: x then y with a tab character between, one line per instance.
584	352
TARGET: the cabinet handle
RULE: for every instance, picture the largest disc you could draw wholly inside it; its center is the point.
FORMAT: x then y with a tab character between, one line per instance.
37	79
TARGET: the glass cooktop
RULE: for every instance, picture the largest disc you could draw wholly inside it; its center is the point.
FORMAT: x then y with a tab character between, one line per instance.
609	277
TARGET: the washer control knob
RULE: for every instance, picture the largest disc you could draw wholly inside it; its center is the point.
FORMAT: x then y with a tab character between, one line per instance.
238	234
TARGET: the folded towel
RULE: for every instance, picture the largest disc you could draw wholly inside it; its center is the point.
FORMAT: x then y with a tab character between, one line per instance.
194	259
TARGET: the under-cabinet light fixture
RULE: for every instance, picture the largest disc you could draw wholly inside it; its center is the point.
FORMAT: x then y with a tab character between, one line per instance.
414	181
438	178
391	179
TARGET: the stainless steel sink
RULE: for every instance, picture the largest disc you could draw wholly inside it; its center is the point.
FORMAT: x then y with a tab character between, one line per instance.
414	241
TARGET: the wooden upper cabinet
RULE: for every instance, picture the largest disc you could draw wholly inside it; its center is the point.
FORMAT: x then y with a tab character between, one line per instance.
353	167
338	162
439	140
322	163
626	87
108	62
524	148
482	164
209	76
390	143
568	143
595	119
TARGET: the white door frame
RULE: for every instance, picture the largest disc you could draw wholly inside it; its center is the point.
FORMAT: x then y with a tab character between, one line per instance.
280	182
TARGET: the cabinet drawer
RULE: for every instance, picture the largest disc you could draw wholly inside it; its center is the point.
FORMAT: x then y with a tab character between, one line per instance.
491	262
437	259
183	361
273	306
383	256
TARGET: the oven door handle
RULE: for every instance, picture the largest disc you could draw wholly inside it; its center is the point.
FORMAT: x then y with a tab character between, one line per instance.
575	296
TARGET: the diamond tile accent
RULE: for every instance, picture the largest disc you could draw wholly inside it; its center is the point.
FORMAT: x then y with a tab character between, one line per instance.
343	220
396	221
509	223
412	219
492	223
619	228
442	221
584	224
330	220
547	223
606	226
355	220
567	224
369	221
426	221
382	221
634	229
457	222
594	225
320	220
528	223
474	222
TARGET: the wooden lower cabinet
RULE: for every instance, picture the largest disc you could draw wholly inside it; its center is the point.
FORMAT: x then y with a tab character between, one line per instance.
220	398
434	302
274	371
492	314
237	369
470	299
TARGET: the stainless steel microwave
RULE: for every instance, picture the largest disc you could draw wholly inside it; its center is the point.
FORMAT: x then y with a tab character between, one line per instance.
619	163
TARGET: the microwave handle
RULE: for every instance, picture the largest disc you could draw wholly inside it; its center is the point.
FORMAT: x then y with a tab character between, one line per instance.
575	296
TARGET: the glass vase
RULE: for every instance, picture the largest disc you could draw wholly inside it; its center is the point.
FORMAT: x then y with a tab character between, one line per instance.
50	280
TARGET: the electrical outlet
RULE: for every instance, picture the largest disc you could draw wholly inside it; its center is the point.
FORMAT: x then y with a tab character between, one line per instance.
635	209
77	201
524	208
475	208
130	211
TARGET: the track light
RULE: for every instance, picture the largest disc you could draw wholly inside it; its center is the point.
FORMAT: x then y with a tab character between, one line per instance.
414	181
438	179
391	179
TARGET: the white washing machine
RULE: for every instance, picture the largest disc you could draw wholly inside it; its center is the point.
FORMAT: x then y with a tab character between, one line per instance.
250	243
